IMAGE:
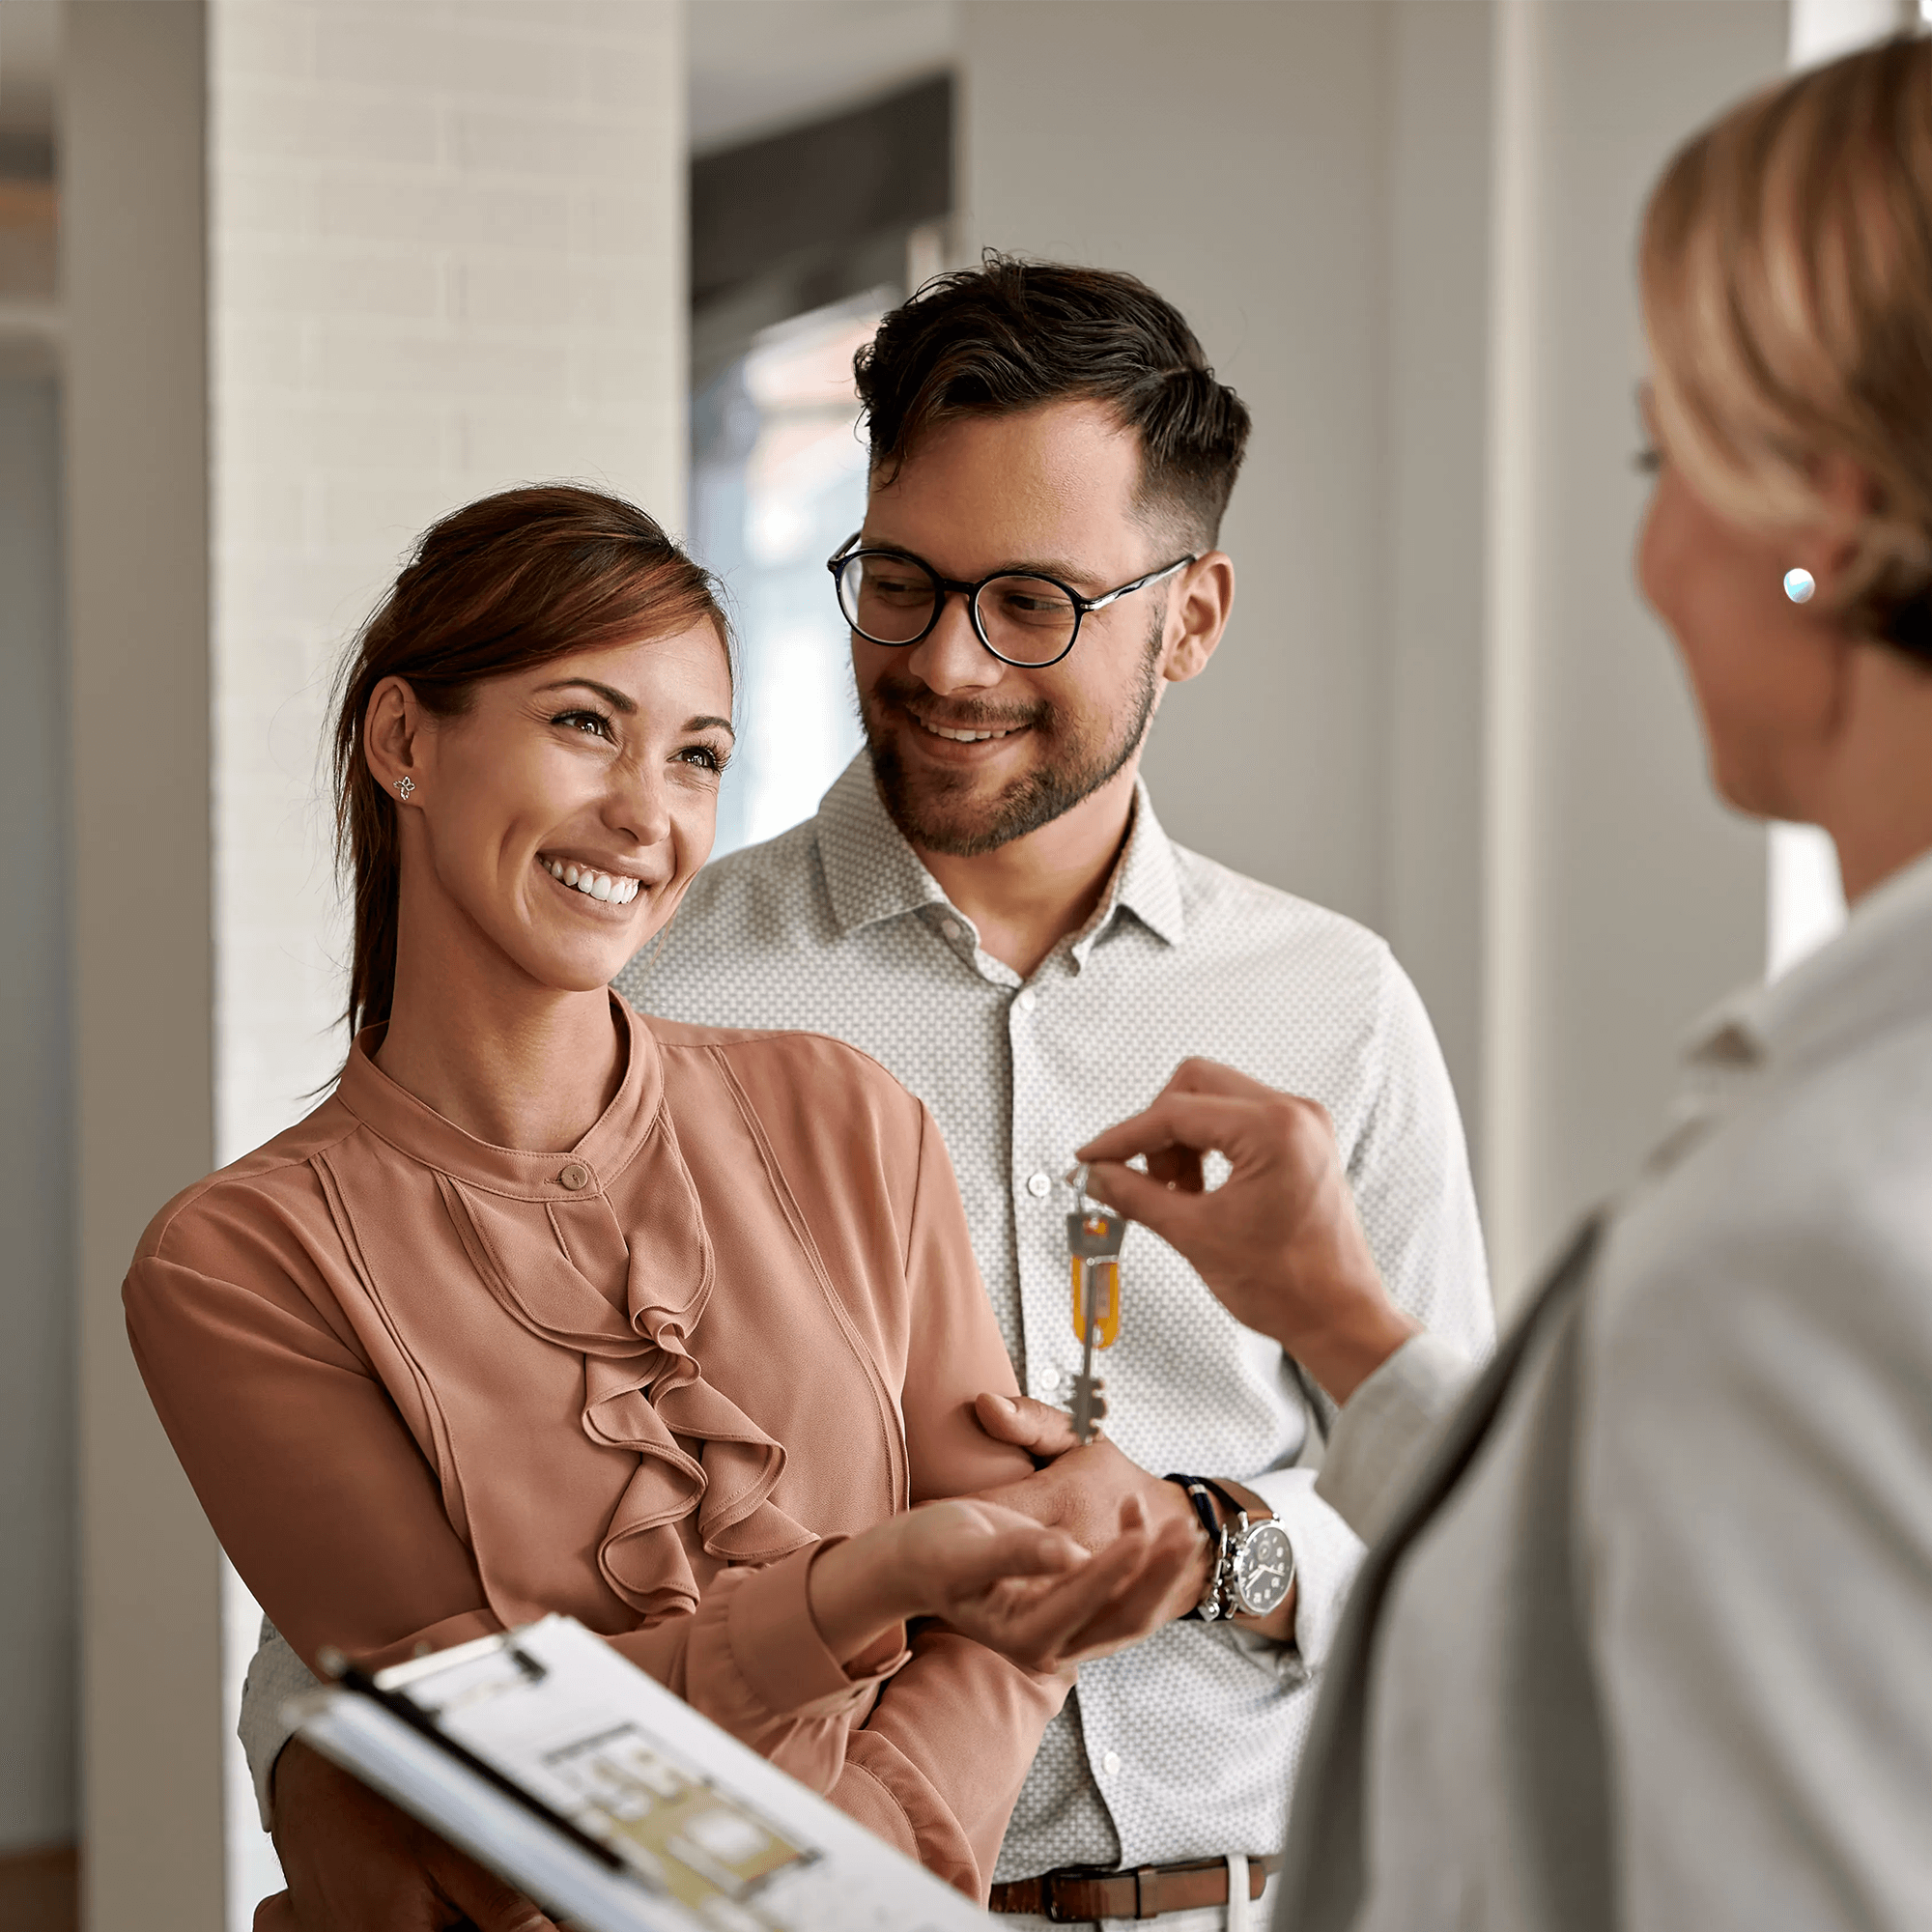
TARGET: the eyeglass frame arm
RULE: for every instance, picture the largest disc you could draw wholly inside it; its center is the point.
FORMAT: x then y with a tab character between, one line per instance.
946	585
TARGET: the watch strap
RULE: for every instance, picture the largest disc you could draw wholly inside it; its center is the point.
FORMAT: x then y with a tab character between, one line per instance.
1221	1591
1217	1599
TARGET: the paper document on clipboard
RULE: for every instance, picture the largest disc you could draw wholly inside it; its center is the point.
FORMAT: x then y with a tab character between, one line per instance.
586	1784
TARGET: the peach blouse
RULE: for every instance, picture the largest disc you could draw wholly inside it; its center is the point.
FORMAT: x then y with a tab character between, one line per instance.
427	1388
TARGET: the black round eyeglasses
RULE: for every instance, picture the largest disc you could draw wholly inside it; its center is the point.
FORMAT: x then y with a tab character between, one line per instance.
1022	616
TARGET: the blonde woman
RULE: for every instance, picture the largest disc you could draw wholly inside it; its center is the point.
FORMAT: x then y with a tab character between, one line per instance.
1647	1638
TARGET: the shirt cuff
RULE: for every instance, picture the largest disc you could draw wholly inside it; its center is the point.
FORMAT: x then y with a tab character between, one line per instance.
1387	1428
276	1677
778	1649
1326	1554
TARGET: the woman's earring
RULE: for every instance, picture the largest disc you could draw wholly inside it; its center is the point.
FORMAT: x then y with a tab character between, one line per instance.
1799	585
403	787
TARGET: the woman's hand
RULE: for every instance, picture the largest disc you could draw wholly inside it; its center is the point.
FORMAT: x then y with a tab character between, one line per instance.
1279	1242
1031	1593
1102	1602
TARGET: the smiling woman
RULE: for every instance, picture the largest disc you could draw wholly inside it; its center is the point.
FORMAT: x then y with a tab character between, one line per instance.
552	1307
497	607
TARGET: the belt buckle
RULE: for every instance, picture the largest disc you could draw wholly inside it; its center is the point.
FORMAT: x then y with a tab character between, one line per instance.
1051	1882
1147	1891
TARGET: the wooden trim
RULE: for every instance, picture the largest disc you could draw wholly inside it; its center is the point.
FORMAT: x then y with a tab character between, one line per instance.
39	1891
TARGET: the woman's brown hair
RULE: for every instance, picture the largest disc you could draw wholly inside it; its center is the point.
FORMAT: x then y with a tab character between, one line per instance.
1787	266
505	583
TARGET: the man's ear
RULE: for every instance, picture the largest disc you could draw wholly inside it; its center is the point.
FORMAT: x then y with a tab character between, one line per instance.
390	729
1197	615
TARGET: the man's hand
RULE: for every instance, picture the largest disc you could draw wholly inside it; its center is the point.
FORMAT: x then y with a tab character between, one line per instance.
1279	1243
1083	1487
356	1864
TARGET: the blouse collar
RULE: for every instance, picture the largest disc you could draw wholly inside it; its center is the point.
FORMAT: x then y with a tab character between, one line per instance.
417	1131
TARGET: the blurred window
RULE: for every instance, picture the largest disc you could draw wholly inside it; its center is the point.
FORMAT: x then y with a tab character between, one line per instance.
778	484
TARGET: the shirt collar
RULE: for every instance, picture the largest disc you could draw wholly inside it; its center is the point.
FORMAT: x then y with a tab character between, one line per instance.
419	1130
1147	882
872	874
1879	968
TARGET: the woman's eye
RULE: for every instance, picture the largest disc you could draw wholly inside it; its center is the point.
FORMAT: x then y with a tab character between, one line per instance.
703	757
592	724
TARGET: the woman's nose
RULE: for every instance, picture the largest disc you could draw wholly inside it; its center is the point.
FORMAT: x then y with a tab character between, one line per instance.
641	807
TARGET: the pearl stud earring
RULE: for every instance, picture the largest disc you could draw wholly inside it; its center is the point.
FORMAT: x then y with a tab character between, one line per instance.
403	787
1799	585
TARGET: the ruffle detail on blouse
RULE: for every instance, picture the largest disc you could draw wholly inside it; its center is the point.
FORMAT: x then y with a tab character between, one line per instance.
642	1386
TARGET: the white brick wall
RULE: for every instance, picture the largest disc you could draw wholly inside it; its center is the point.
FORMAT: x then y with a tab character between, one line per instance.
447	254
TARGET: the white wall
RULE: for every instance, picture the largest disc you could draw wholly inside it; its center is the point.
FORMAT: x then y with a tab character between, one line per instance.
1236	156
1623	900
448	255
1404	233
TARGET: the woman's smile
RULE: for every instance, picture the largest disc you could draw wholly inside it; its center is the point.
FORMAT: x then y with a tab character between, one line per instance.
587	881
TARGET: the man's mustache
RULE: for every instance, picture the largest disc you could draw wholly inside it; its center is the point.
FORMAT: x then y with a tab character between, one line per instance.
909	694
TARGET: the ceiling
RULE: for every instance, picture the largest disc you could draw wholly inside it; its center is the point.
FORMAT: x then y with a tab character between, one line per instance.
759	66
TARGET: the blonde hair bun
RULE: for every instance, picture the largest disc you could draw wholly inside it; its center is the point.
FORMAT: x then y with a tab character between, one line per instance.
1786	271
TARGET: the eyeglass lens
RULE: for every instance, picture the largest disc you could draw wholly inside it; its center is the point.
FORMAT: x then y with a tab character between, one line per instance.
890	599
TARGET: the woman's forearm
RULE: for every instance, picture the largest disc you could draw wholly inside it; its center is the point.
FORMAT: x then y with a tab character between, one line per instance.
861	1597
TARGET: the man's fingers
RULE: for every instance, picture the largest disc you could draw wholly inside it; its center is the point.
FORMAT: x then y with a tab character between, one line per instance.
1033	1426
1173	1215
1178	1167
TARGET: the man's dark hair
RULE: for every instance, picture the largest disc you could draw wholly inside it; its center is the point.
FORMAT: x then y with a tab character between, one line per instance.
1011	335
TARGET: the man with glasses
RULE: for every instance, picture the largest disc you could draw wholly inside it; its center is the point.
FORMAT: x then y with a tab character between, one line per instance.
986	903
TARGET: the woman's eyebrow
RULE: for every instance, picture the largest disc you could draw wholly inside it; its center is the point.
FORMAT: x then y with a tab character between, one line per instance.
614	697
707	723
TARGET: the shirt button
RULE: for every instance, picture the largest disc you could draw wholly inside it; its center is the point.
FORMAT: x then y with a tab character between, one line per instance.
1038	1186
1110	1763
950	928
1027	1000
1046	1383
575	1176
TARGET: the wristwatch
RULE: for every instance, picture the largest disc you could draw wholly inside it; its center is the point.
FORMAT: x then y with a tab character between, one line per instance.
1254	1561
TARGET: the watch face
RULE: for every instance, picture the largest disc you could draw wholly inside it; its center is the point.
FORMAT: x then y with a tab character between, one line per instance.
1263	1568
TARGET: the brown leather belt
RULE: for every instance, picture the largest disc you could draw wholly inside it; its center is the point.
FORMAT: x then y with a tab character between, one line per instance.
1074	1896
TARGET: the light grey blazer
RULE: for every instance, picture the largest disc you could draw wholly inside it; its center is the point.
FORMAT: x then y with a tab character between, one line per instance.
1646	1637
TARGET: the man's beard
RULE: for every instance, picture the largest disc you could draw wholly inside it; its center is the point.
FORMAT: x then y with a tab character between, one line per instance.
936	813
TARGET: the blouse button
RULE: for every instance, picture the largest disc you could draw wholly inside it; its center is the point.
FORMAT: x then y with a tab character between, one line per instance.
575	1176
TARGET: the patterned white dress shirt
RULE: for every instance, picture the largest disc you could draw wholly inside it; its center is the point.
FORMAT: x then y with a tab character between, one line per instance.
1185	1745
